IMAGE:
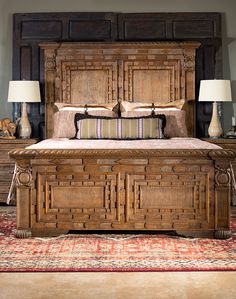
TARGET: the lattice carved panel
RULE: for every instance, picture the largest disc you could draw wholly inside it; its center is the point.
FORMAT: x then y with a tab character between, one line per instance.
151	81
169	200
91	200
88	81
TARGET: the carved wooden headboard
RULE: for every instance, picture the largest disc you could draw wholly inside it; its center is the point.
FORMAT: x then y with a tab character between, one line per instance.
108	72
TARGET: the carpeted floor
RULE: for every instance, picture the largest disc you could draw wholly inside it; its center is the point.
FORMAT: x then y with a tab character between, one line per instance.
112	252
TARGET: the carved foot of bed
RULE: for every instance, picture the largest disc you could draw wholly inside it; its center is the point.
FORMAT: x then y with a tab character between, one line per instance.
196	234
22	233
48	232
223	234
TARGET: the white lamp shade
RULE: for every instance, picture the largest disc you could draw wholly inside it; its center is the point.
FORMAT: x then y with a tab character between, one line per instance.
24	91
215	91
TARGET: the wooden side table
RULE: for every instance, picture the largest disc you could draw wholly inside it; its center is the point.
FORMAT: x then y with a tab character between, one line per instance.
7	165
227	143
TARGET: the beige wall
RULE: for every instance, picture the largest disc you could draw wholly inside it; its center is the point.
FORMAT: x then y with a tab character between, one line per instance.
8	7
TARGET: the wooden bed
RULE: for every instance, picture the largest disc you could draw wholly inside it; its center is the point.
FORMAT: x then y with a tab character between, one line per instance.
121	189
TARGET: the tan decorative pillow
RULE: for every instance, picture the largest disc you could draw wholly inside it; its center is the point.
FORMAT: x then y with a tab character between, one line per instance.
63	119
134	106
90	127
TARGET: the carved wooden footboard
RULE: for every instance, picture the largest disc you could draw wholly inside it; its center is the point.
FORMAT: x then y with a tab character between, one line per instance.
181	190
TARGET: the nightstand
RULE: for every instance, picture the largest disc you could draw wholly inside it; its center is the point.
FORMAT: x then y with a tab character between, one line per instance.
227	143
7	165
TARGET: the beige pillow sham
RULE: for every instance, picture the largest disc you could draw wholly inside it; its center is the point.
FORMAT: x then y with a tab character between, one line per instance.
134	106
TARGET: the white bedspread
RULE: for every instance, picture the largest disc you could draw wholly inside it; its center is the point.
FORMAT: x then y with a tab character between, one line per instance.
173	143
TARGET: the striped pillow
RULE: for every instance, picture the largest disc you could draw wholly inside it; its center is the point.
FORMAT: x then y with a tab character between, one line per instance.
90	127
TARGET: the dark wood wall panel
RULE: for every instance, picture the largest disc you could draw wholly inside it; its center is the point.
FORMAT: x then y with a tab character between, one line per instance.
207	68
209	61
31	29
34	30
26	63
171	25
90	30
148	30
193	29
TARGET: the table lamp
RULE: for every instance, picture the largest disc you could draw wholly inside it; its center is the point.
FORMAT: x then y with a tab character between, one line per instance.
24	92
215	91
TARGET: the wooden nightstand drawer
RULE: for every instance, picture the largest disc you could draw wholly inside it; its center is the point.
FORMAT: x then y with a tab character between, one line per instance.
7	165
6	172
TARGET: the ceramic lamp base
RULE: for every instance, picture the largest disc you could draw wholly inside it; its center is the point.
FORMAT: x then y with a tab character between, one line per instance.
24	124
215	128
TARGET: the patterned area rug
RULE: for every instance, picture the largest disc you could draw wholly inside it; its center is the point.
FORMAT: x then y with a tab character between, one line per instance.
110	252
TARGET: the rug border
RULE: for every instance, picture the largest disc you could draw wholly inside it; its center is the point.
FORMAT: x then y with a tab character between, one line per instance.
4	270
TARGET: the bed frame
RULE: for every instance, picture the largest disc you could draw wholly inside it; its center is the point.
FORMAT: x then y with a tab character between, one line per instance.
60	190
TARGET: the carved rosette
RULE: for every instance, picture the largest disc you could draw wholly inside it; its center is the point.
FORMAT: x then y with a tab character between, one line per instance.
189	62
222	160
50	61
50	69
223	176
24	176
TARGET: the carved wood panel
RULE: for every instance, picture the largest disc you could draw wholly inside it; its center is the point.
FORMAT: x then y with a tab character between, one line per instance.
85	197
88	81
158	194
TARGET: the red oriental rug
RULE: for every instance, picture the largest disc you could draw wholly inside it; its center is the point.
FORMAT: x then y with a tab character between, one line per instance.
112	252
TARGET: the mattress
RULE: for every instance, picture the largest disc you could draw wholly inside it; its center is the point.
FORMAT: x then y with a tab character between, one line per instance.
173	143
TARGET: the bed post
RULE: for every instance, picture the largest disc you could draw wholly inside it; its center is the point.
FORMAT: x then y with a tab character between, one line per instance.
222	192
23	183
51	89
